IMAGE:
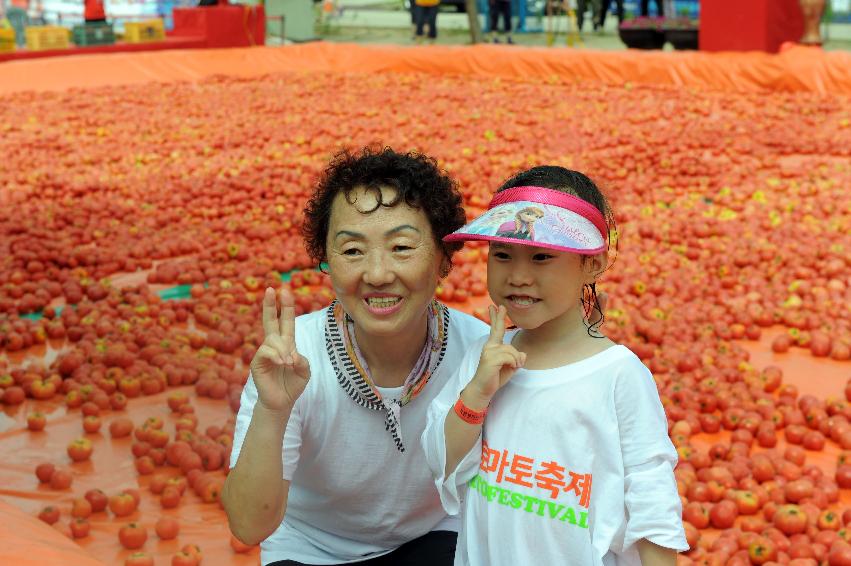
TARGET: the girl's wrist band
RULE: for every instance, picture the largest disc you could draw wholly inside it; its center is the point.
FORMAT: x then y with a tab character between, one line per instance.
468	415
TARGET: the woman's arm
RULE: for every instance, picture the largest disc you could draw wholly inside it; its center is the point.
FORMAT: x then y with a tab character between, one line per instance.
255	494
655	555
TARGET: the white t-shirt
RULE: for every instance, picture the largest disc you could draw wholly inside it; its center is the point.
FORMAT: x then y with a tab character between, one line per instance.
550	436
353	495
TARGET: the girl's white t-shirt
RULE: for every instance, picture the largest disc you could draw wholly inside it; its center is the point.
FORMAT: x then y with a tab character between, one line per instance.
353	495
574	466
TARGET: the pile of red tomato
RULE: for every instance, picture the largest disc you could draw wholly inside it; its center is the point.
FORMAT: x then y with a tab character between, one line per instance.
733	217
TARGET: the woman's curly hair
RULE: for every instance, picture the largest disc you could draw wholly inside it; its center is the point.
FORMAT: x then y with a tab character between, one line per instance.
418	181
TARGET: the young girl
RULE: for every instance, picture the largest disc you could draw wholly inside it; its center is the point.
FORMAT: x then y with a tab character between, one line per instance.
572	464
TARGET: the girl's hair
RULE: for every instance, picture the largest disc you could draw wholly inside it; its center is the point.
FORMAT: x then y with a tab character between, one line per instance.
579	185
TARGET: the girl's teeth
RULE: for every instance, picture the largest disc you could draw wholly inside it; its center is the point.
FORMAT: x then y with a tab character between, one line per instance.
523	301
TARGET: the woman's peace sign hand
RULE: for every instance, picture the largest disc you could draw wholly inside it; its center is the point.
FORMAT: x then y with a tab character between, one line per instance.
280	373
498	361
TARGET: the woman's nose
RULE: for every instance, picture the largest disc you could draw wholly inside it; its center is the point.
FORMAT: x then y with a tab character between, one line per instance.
379	270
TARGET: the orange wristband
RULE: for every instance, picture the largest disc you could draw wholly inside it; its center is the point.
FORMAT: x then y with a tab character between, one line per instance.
468	415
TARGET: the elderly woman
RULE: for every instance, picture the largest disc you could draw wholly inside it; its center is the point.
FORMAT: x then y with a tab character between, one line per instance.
327	466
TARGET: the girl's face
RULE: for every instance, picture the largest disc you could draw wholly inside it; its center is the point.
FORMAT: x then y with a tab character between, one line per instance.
384	265
538	286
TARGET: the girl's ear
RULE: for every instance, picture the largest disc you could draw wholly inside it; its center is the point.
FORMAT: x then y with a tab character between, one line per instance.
445	267
594	265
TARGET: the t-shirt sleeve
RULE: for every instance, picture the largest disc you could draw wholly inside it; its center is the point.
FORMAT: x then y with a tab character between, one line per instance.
434	437
292	436
654	511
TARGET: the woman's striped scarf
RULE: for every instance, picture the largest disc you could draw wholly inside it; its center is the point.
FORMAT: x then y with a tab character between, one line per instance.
353	373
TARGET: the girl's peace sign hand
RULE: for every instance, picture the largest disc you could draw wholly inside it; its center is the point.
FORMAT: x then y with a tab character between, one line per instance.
280	373
498	361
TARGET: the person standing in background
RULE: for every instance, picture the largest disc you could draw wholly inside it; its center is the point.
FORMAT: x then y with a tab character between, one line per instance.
596	9
426	13
413	20
605	10
645	8
500	8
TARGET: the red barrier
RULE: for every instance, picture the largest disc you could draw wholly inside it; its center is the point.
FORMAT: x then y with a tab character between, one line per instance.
223	25
755	25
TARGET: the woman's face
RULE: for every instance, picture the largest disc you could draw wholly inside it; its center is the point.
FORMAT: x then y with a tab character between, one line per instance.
384	265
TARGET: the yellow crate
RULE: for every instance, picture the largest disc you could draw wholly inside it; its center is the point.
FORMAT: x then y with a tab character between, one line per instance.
40	38
140	32
7	40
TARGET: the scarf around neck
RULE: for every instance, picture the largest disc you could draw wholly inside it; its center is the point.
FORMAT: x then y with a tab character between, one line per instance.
353	373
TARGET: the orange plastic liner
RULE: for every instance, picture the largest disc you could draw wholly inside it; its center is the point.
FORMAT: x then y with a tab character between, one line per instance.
796	69
111	469
26	541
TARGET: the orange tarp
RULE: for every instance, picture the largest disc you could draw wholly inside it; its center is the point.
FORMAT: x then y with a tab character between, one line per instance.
26	541
111	469
797	69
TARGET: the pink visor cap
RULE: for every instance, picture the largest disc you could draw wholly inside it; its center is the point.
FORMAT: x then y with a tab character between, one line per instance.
535	216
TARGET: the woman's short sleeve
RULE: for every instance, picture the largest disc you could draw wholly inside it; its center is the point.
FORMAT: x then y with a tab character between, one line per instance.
434	437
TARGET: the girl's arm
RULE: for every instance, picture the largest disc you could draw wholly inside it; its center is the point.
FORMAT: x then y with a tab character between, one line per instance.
655	555
497	364
461	435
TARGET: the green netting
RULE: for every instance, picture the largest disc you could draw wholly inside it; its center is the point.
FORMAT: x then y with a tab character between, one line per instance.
177	293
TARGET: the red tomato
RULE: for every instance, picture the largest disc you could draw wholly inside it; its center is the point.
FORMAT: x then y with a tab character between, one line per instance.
44	472
790	519
97	499
762	550
139	559
184	559
80	450
120	427
132	536
81	508
49	514
36	421
167	528
61	479
80	527
122	504
91	424
723	514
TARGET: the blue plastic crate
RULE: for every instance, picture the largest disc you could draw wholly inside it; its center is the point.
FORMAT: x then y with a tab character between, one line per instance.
686	8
